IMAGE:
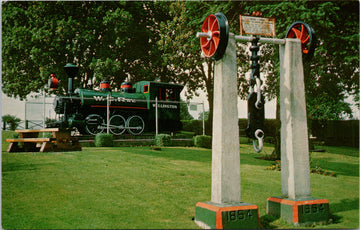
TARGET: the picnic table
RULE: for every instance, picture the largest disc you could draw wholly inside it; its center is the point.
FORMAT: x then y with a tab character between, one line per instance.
29	141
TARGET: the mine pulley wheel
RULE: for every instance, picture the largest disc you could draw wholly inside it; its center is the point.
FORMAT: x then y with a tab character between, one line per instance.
306	34
216	27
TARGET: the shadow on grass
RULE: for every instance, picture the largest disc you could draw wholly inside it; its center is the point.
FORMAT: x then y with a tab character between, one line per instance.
202	154
341	150
12	167
345	205
266	221
174	153
340	168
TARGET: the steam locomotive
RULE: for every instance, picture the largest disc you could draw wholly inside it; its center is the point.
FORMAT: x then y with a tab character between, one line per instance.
133	109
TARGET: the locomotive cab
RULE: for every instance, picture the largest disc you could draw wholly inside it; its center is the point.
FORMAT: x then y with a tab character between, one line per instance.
168	97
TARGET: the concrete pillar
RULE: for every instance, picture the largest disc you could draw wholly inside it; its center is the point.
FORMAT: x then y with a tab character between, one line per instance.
295	204
295	167
225	210
225	181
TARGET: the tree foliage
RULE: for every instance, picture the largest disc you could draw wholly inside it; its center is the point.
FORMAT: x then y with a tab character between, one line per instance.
329	77
112	40
332	74
156	40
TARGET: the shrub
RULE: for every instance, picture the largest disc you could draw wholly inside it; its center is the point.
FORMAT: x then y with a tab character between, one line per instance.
163	140
11	120
203	141
104	140
192	126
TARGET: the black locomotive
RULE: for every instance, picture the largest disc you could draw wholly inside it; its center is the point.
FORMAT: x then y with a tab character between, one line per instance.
132	109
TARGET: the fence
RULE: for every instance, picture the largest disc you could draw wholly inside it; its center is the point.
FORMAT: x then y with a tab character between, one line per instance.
37	112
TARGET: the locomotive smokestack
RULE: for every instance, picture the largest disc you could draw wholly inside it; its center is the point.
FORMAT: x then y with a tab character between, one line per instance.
71	70
70	85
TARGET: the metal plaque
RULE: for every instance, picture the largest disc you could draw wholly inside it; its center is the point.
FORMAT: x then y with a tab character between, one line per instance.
257	26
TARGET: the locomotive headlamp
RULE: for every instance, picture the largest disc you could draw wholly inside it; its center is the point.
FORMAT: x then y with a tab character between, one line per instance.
71	70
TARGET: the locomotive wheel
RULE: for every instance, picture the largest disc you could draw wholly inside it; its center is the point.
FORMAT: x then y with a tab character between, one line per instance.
135	125
217	26
94	124
117	124
306	35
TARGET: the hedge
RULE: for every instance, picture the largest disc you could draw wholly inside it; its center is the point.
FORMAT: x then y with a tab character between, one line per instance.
104	140
336	132
203	141
163	140
195	126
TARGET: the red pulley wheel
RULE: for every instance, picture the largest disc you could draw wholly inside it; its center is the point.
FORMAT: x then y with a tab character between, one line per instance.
306	35
217	27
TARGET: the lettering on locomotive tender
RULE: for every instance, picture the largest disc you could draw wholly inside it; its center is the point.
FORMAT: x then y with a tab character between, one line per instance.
117	99
165	106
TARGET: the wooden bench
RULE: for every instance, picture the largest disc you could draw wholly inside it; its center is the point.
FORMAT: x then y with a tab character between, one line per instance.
61	140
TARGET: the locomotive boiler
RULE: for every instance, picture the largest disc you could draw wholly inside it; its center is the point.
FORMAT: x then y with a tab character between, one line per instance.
131	110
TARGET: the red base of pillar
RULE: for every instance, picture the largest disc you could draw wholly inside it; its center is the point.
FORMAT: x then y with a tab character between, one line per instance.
299	211
227	216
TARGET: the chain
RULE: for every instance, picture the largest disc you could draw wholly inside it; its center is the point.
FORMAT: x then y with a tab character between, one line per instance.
255	71
255	99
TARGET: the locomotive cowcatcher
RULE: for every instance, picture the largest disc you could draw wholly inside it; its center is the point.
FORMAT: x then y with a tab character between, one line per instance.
132	109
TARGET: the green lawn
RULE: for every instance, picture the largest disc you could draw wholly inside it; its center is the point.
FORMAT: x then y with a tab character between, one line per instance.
122	187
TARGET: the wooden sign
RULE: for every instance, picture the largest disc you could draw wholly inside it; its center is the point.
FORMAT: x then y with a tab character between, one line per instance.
257	26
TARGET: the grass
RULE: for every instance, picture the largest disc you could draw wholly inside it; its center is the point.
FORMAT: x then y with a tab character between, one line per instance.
138	188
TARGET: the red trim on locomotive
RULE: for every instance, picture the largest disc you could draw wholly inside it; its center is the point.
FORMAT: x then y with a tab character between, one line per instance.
104	85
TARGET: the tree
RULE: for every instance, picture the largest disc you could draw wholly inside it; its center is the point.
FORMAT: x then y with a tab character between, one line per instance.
181	50
336	26
204	114
184	111
116	40
156	40
11	120
332	74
